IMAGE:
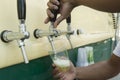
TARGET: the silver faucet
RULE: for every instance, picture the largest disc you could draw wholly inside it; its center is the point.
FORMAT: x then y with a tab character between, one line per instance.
68	21
8	36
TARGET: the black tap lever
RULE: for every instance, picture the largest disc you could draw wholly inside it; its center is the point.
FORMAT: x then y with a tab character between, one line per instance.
21	7
68	20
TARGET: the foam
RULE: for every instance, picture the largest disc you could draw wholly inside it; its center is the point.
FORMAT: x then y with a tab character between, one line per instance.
62	62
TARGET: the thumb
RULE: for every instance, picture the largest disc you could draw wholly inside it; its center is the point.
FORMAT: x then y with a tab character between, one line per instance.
58	20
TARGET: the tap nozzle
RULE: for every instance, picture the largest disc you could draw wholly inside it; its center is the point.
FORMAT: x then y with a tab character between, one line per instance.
22	47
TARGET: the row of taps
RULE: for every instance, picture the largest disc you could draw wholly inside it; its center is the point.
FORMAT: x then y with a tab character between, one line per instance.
8	36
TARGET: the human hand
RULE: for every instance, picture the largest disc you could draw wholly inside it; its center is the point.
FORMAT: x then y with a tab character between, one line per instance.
68	75
66	6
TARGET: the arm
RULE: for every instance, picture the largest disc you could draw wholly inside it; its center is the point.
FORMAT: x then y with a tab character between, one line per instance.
100	71
66	6
102	5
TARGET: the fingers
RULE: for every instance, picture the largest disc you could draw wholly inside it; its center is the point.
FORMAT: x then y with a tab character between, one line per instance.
56	2
52	6
61	76
64	76
54	66
46	20
57	76
50	14
55	69
58	20
56	73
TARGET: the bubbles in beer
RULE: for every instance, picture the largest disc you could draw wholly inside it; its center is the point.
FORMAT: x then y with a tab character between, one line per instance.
62	64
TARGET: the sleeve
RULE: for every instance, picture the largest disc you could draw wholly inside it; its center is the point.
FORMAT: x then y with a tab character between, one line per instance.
116	51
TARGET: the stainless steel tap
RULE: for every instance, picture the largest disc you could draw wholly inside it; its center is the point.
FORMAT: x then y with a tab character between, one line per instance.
53	32
38	33
8	36
21	7
68	21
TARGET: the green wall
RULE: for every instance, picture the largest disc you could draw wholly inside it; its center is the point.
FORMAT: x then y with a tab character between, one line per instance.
41	69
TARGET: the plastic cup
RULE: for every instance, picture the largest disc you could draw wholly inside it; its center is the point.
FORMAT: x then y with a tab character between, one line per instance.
60	59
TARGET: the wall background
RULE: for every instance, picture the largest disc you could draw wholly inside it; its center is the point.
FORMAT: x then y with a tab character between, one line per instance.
89	20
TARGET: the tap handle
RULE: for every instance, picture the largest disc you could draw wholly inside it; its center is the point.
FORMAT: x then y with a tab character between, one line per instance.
21	8
55	12
68	20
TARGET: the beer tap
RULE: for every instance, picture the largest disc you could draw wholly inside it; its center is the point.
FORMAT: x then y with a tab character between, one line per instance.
53	32
52	29
8	36
68	21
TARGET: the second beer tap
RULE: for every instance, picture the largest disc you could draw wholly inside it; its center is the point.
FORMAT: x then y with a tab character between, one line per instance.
8	36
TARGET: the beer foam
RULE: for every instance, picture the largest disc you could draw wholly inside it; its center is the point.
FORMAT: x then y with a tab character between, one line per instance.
62	62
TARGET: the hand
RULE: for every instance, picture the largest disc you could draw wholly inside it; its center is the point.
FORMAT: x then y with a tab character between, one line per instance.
66	6
69	75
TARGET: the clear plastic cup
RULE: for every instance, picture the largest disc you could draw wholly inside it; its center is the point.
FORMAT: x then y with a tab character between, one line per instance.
60	58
